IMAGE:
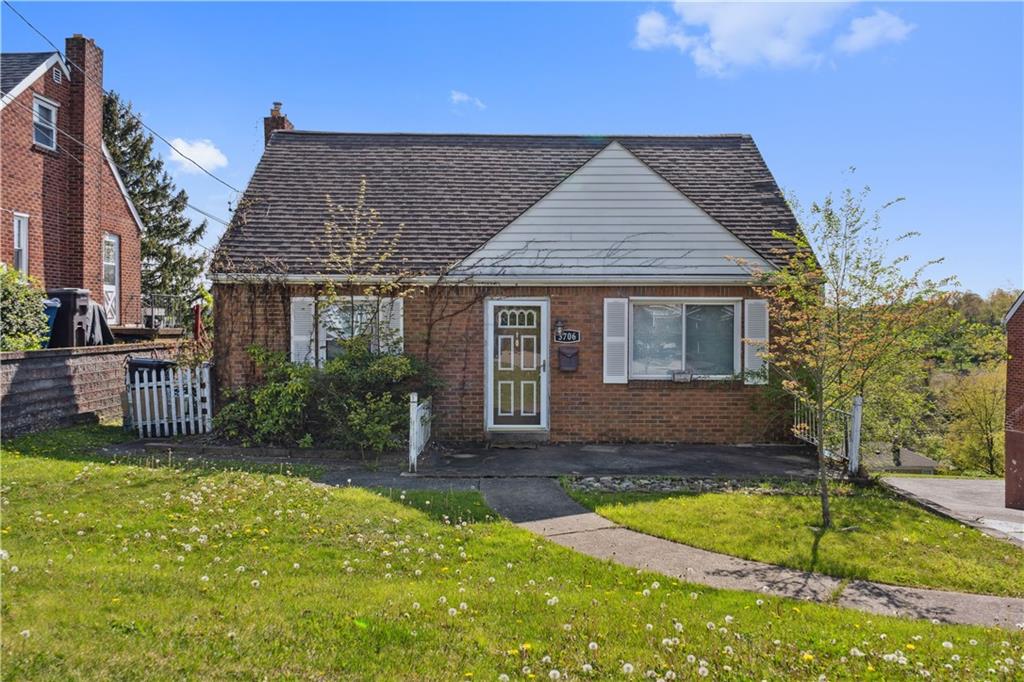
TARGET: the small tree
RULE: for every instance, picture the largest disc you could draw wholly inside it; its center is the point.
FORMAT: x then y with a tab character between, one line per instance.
844	311
975	405
22	320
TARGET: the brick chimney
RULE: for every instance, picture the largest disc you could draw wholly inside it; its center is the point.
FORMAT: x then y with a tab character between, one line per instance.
276	121
84	121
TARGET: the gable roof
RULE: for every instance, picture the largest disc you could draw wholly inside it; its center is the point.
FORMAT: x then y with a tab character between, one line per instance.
613	218
452	193
18	70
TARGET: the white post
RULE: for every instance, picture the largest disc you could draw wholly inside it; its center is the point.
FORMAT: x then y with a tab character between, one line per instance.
858	410
137	389
208	423
413	431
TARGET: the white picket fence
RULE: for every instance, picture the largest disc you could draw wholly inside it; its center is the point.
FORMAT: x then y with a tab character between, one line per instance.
173	401
419	428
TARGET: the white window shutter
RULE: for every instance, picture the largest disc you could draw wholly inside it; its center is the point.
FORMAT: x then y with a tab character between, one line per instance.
302	330
394	308
755	340
616	340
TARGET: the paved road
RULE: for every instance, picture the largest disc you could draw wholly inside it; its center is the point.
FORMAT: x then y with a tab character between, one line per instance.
541	506
975	502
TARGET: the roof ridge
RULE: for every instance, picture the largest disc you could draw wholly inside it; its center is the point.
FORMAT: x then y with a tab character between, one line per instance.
5	54
581	136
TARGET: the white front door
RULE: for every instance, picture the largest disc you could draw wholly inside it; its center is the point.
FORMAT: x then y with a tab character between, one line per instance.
112	277
516	365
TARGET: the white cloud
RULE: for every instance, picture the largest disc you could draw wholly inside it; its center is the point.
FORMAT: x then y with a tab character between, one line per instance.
722	38
874	30
653	31
204	152
459	98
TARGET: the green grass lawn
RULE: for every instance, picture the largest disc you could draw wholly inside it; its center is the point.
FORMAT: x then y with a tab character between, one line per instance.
119	571
875	536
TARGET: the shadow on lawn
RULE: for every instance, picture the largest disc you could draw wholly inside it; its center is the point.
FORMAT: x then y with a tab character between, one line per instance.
110	444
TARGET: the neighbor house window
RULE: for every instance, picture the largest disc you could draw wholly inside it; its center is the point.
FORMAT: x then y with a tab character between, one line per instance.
20	242
697	337
44	123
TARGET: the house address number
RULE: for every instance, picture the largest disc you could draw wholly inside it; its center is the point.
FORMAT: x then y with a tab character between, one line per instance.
568	336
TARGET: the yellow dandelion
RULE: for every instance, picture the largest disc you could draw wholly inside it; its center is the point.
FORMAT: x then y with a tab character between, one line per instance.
808	657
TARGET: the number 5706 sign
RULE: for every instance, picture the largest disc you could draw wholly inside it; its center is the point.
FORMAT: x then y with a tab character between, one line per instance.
568	336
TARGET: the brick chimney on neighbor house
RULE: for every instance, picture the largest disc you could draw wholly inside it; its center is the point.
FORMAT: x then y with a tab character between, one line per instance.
276	121
83	120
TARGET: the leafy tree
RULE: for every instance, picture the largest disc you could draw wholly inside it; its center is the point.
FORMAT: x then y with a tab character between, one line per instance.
975	405
845	313
22	320
900	404
170	263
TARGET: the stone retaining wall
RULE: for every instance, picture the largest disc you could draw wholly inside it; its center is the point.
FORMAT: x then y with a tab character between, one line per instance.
46	388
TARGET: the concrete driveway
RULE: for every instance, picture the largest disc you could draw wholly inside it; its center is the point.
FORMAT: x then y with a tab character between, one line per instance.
696	461
975	502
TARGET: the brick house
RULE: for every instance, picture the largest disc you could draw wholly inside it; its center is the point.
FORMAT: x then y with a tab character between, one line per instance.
68	221
1014	472
565	288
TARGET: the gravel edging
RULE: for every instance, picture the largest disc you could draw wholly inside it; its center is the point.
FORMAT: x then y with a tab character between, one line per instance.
668	484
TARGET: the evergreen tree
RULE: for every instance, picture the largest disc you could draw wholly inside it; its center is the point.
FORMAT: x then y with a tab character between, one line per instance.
170	263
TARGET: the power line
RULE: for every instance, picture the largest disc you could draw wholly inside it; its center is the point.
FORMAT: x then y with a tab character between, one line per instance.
123	107
31	117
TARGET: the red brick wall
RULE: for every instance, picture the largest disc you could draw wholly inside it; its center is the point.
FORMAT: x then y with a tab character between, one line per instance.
70	194
1015	411
582	409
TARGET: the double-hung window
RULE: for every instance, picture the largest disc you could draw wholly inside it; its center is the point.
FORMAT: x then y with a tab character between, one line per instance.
20	241
700	337
377	320
44	122
323	325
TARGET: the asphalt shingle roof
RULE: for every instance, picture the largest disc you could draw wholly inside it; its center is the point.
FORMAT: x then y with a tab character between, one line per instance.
16	66
451	193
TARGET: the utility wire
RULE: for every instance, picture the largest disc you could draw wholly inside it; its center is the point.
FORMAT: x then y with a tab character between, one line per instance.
98	151
125	108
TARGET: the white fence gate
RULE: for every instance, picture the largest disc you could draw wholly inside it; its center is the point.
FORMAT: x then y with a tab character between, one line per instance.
839	429
419	428
172	401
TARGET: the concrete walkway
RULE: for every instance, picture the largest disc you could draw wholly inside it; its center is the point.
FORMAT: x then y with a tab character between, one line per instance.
541	505
688	461
974	502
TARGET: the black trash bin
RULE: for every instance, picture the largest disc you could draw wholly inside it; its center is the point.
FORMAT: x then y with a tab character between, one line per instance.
73	322
158	366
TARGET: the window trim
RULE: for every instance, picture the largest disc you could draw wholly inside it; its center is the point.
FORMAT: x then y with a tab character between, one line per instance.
737	333
37	101
18	218
322	331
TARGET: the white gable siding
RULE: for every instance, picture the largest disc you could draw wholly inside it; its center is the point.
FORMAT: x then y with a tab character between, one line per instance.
614	217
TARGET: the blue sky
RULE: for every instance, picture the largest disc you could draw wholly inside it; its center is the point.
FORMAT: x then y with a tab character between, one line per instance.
924	99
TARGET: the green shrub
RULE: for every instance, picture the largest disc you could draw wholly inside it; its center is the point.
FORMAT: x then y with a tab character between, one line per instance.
22	320
356	401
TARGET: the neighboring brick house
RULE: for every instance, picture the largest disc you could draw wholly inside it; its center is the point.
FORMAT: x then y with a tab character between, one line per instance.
67	219
565	288
1014	474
